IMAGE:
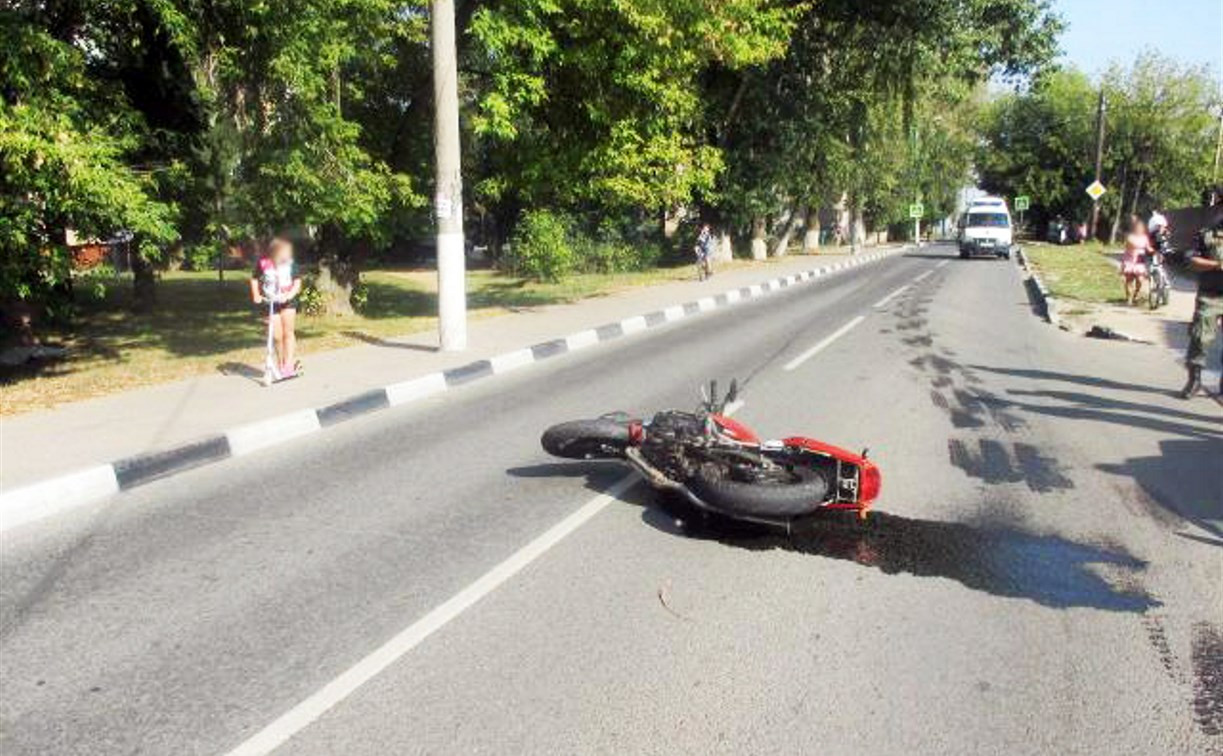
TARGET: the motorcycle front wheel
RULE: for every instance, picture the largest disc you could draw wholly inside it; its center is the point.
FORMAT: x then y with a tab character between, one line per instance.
785	499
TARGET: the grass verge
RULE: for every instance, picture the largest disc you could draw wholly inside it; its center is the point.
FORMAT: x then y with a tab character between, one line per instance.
1084	272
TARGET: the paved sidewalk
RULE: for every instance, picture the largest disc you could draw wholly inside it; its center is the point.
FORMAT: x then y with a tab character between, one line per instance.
41	445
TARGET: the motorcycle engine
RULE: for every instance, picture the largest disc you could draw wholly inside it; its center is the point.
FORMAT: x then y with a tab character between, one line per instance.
669	436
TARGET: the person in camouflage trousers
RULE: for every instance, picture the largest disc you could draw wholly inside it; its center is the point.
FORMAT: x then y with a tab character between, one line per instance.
1207	261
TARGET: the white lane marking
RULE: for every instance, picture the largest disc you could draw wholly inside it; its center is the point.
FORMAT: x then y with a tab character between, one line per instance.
303	714
891	296
733	407
944	262
799	360
417	388
38	500
923	276
265	433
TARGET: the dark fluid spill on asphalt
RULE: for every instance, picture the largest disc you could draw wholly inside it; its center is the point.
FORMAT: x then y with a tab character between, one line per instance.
1207	655
1049	570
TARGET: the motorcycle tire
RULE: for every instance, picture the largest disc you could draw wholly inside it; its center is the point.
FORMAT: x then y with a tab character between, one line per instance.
781	501
602	438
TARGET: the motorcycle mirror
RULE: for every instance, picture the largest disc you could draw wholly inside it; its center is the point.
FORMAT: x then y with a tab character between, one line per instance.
713	394
733	393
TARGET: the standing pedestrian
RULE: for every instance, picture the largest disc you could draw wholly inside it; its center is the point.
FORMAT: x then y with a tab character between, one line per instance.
1133	260
704	252
276	281
1208	308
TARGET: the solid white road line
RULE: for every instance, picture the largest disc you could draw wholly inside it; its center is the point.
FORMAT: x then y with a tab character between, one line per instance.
303	714
944	262
891	296
799	360
923	276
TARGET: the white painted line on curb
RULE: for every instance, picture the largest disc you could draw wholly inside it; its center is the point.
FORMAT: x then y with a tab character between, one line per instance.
415	389
504	363
883	302
260	435
732	296
923	276
303	714
755	290
39	500
799	360
633	325
581	340
673	313
705	304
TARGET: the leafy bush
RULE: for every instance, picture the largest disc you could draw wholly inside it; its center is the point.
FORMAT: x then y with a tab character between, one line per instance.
311	300
541	247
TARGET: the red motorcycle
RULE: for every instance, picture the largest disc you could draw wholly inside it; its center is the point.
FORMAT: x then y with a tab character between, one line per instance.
721	466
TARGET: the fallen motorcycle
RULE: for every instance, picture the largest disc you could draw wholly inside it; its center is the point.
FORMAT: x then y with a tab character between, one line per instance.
721	466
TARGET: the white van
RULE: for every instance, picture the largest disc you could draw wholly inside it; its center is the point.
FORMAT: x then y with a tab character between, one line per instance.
985	229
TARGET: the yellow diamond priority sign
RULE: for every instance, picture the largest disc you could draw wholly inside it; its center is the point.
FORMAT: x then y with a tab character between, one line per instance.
1096	190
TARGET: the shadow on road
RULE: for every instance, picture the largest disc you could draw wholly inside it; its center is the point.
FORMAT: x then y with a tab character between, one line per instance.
1048	570
1184	478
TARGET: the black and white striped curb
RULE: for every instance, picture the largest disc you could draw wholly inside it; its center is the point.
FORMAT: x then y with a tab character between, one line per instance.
48	497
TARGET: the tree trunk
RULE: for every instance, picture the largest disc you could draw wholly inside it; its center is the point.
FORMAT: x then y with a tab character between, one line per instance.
811	237
1137	194
144	283
783	244
669	223
338	273
760	248
1112	234
725	249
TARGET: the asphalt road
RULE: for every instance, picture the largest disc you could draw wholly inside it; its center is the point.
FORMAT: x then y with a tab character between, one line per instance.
1044	574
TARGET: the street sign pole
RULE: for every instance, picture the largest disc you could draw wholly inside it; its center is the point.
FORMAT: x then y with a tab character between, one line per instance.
448	202
1101	109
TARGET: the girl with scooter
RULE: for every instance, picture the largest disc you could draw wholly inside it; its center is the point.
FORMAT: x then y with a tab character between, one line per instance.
276	282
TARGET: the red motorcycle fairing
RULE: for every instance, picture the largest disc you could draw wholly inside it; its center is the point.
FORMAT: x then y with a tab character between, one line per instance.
869	481
735	430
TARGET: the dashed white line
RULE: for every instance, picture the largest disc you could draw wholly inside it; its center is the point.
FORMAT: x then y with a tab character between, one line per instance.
944	262
799	360
890	297
923	276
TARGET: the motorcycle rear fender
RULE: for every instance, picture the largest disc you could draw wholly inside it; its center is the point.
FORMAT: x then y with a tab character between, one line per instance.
858	478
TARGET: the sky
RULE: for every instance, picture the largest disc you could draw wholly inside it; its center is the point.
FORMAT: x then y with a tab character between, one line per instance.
1103	31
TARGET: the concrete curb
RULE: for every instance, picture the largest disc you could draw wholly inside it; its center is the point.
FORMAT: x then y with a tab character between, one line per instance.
54	495
1046	301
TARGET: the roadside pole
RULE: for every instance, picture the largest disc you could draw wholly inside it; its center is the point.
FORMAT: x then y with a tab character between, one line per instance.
448	201
1101	109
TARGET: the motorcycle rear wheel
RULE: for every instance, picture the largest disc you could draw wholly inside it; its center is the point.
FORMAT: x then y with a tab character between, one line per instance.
601	438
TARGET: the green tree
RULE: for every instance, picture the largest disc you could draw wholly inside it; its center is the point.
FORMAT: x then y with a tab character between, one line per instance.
67	147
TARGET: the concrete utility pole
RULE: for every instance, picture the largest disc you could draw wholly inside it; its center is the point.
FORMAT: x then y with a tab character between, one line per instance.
448	202
1101	109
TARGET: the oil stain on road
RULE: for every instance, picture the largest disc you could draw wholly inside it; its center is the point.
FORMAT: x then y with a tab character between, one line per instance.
1047	569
